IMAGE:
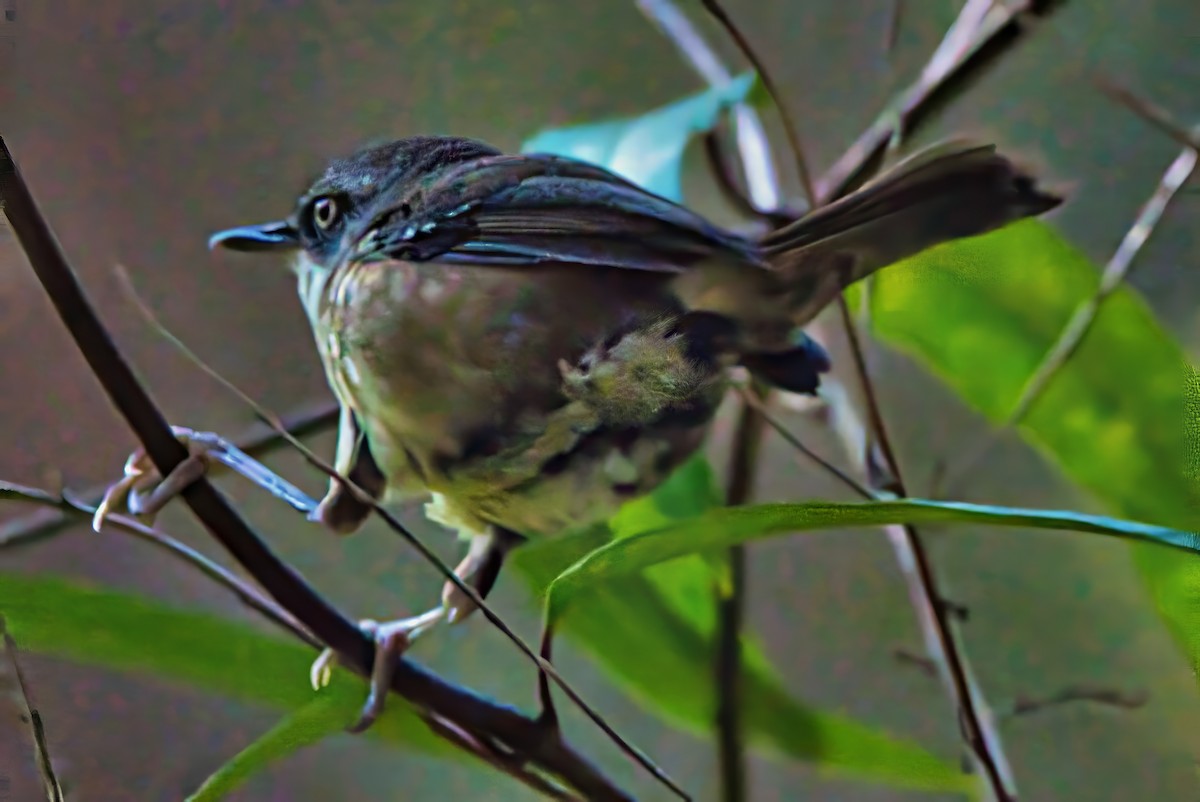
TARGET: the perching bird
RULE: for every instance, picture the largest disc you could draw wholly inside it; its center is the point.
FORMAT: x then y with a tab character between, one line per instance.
532	341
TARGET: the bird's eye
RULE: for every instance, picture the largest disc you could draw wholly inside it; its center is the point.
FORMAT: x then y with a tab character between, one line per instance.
325	213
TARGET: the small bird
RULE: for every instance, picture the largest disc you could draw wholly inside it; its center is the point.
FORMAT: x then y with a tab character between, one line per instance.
530	341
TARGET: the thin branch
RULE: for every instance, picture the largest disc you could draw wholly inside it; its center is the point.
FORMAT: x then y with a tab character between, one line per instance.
731	605
1149	111
795	442
1109	697
983	31
1115	273
426	553
789	127
280	580
29	714
752	144
941	642
255	441
891	30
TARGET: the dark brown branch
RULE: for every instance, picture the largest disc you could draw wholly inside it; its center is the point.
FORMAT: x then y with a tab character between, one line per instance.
31	716
424	689
923	589
731	604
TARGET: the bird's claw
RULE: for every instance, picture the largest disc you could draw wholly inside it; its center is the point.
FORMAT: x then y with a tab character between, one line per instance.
392	640
142	492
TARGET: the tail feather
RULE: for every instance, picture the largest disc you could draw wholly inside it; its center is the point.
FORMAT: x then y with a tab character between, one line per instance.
946	193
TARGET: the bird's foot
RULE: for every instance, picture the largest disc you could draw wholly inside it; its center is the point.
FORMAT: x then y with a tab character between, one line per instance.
392	640
142	492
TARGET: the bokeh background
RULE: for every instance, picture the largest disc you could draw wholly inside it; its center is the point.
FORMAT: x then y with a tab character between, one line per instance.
144	126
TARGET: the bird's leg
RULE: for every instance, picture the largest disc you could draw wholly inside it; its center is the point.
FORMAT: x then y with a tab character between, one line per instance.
478	569
341	510
143	493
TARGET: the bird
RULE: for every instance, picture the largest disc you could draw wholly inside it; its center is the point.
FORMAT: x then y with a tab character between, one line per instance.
530	341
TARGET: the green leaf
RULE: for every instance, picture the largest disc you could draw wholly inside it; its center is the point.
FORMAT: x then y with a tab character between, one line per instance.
320	718
982	313
99	627
647	149
724	527
653	633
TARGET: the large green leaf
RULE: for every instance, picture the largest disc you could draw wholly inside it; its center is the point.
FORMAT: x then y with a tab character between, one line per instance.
647	149
653	632
99	627
729	526
981	314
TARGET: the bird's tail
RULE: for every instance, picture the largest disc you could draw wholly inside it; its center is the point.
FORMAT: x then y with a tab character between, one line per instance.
945	193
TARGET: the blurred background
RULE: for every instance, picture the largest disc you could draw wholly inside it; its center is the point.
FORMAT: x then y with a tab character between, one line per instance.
144	126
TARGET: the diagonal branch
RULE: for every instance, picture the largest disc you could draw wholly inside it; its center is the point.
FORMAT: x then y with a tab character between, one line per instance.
280	580
1115	272
983	31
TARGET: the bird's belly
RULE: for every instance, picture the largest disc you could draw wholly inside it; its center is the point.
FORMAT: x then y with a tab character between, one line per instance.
454	373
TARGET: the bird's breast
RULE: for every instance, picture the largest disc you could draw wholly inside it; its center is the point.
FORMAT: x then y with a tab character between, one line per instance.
444	363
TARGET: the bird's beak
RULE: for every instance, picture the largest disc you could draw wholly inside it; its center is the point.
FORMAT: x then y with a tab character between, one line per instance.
278	236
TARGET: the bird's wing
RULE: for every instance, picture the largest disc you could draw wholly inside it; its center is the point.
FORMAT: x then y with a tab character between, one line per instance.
525	210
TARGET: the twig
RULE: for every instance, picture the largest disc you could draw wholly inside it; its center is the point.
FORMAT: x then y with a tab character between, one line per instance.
789	127
1115	273
544	667
28	713
796	443
282	582
1149	111
1110	697
891	31
983	30
257	440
